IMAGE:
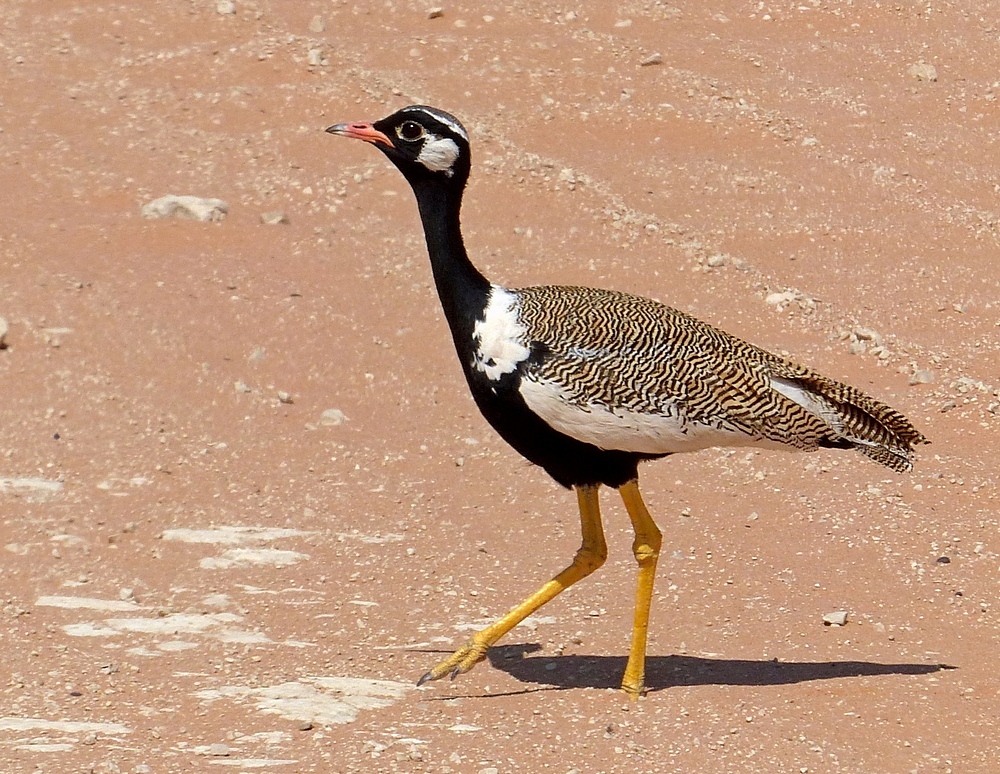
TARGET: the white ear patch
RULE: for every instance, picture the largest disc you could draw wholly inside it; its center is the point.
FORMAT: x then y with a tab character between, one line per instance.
438	154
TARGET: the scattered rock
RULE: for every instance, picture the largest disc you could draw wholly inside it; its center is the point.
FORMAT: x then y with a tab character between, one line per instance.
225	7
921	376
241	386
4	327
34	489
922	71
316	24
186	207
218	750
284	397
315	57
717	260
333	417
868	335
435	13
305	725
943	560
652	59
838	618
276	217
126	595
568	175
783	299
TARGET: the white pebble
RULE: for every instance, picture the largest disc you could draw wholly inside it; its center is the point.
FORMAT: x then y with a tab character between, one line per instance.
333	417
186	207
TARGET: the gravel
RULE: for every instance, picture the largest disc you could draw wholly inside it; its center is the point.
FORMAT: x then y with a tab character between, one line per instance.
186	207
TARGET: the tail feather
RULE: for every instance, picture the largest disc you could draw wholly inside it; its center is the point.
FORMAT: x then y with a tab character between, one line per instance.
858	420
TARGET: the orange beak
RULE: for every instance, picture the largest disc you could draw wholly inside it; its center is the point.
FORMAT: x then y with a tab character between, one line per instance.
360	131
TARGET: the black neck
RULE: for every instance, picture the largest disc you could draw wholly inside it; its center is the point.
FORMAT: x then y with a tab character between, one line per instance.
462	289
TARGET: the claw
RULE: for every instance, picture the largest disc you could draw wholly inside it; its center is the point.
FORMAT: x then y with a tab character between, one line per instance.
426	678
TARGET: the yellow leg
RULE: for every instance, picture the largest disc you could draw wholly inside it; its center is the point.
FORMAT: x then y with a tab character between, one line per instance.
646	548
591	555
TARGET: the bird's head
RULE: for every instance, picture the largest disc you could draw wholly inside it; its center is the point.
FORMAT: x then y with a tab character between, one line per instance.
423	142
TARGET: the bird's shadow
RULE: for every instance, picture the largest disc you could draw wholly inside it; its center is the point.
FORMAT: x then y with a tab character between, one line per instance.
670	671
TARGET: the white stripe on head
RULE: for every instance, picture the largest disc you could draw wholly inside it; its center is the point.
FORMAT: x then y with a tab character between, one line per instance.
447	119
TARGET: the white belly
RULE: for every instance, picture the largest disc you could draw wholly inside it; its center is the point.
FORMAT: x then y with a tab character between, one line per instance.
624	430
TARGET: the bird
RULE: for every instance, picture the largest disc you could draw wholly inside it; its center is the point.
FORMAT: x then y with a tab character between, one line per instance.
588	383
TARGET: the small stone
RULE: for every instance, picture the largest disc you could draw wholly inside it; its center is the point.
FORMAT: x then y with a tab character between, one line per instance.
838	618
274	218
316	24
922	71
717	260
652	59
284	397
921	376
142	768
332	417
241	386
225	7
126	595
435	13
868	335
4	328
197	208
315	57
218	750
305	725
90	738
943	560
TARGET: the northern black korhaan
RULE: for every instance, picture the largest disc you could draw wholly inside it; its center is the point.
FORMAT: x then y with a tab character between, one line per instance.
588	383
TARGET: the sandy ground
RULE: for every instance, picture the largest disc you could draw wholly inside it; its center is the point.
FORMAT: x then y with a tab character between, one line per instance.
202	571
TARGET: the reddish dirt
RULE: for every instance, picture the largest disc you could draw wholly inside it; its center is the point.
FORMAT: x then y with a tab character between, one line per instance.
775	149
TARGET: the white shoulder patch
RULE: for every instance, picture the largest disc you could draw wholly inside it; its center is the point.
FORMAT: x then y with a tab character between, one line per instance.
499	338
438	154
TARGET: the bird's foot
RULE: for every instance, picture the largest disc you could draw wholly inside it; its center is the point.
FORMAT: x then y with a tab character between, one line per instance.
459	662
634	690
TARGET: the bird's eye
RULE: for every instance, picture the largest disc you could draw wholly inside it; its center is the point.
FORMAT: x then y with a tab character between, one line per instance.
410	131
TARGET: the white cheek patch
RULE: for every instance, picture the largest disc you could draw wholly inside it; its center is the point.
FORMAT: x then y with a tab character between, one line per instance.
499	336
438	154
